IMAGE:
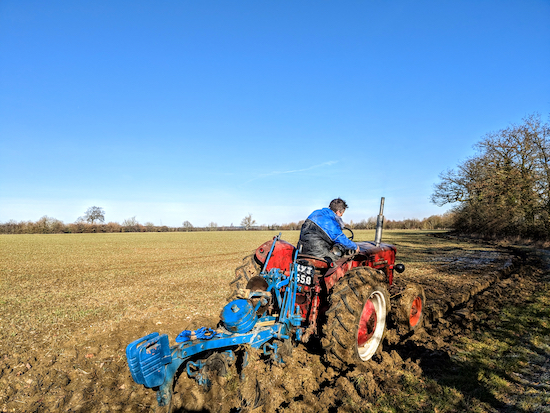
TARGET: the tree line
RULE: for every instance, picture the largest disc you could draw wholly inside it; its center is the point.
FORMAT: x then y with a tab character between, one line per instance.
503	190
48	225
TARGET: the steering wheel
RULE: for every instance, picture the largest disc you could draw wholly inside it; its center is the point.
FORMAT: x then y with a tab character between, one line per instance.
350	237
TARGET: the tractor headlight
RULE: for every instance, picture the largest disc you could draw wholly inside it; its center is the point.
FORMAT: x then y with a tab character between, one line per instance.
399	268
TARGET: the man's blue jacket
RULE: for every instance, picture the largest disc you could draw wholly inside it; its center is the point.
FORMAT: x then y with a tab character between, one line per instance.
321	230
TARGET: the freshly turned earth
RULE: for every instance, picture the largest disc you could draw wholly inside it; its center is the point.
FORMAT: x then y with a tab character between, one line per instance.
89	373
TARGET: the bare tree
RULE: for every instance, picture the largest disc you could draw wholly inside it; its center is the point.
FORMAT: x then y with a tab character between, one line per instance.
94	214
48	224
505	188
187	225
130	222
213	226
247	222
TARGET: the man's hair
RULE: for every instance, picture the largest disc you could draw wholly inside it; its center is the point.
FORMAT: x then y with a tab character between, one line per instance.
338	204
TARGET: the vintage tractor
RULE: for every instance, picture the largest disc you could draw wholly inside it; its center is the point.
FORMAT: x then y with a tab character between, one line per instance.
280	298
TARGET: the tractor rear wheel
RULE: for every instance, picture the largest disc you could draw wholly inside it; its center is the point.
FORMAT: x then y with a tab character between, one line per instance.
410	309
245	272
356	320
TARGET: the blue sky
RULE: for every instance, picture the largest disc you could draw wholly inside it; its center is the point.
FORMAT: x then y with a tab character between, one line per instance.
207	111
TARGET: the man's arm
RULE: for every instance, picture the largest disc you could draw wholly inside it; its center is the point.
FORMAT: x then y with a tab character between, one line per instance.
346	242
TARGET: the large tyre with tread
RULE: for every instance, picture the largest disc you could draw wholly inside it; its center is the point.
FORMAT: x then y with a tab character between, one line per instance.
245	272
409	311
356	319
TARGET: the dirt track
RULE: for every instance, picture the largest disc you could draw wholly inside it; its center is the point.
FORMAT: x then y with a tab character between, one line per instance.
90	374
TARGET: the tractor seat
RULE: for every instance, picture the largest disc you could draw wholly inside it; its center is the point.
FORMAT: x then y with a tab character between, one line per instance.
318	263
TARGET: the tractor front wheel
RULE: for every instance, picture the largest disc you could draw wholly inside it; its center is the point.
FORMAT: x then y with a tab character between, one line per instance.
410	309
356	320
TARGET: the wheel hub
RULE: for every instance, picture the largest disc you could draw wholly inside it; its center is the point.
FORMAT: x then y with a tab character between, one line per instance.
416	311
367	324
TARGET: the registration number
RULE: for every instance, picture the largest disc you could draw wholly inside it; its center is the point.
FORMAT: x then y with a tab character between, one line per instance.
305	274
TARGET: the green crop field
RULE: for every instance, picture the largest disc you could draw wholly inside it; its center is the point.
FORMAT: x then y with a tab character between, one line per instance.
58	282
54	283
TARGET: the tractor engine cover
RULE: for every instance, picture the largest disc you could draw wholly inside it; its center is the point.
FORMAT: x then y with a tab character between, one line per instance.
238	316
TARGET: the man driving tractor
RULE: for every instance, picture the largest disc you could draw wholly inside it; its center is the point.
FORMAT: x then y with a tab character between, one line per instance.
321	234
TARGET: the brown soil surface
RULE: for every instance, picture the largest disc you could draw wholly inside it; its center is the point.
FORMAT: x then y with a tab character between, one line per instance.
89	373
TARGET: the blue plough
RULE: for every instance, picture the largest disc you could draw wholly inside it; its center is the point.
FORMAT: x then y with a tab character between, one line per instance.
154	363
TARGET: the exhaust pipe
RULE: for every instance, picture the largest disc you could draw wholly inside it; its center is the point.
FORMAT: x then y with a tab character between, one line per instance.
379	224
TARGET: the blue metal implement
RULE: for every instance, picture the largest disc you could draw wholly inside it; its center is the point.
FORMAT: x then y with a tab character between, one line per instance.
147	358
239	316
154	363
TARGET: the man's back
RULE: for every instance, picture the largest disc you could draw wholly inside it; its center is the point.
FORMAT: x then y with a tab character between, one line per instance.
321	231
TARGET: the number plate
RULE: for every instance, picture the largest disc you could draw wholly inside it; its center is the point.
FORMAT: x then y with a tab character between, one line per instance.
305	274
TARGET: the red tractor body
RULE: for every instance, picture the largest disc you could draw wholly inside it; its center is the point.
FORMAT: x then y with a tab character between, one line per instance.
313	303
380	257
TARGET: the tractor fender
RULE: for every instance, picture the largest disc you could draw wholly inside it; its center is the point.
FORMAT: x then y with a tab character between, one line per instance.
281	257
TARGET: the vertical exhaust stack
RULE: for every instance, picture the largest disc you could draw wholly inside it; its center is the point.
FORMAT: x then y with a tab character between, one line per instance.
379	224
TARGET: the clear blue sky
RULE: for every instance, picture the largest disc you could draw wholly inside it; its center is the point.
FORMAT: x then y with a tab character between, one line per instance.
209	110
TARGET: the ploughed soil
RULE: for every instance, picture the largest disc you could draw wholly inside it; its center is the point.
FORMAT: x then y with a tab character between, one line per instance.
89	373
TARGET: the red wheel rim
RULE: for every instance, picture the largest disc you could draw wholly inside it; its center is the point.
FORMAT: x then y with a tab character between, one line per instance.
416	311
367	324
